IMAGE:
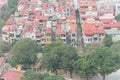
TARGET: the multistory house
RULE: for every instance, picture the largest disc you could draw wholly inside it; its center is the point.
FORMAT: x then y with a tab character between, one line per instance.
117	7
93	32
88	10
112	28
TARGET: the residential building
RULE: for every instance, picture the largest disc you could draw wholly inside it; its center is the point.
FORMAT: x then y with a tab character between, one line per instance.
44	22
12	75
93	32
117	7
112	28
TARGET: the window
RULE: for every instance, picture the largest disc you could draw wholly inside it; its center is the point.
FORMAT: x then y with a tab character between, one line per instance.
73	39
118	28
32	36
99	39
11	35
4	33
6	38
73	35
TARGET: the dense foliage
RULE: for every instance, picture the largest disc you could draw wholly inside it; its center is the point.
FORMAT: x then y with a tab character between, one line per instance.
4	46
116	47
12	5
105	60
89	48
117	17
24	52
84	66
107	41
32	75
59	56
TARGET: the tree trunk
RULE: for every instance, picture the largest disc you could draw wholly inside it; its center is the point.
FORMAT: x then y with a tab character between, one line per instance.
70	74
87	78
104	77
56	72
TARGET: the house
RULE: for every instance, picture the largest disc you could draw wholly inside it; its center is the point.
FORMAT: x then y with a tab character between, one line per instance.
60	34
93	32
48	35
2	65
117	7
9	33
12	75
112	28
88	10
44	22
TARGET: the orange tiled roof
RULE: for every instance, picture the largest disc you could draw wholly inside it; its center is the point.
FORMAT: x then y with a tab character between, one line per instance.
90	28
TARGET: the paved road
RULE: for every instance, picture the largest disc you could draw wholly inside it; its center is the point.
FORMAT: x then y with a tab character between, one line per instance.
113	76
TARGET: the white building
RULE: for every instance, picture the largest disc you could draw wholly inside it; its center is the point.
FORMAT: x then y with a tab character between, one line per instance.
117	7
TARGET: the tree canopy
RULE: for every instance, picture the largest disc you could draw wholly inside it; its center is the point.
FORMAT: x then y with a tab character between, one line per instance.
68	58
24	52
51	58
4	46
105	60
85	67
12	5
116	47
117	17
32	75
59	56
89	48
107	41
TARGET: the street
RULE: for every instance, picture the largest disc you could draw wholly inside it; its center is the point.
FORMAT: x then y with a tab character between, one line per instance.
113	76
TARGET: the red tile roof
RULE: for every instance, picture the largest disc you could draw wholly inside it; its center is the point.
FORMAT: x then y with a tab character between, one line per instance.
43	18
12	75
90	28
59	31
48	30
37	32
3	2
106	21
9	28
10	21
21	21
94	17
112	25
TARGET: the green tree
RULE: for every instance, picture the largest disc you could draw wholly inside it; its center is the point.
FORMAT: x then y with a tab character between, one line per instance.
32	75
91	47
58	55
85	67
117	17
2	55
116	47
2	22
12	5
24	52
69	57
51	59
39	48
106	61
54	77
107	41
4	46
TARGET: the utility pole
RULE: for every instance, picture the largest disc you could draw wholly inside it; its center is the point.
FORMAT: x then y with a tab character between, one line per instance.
80	42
